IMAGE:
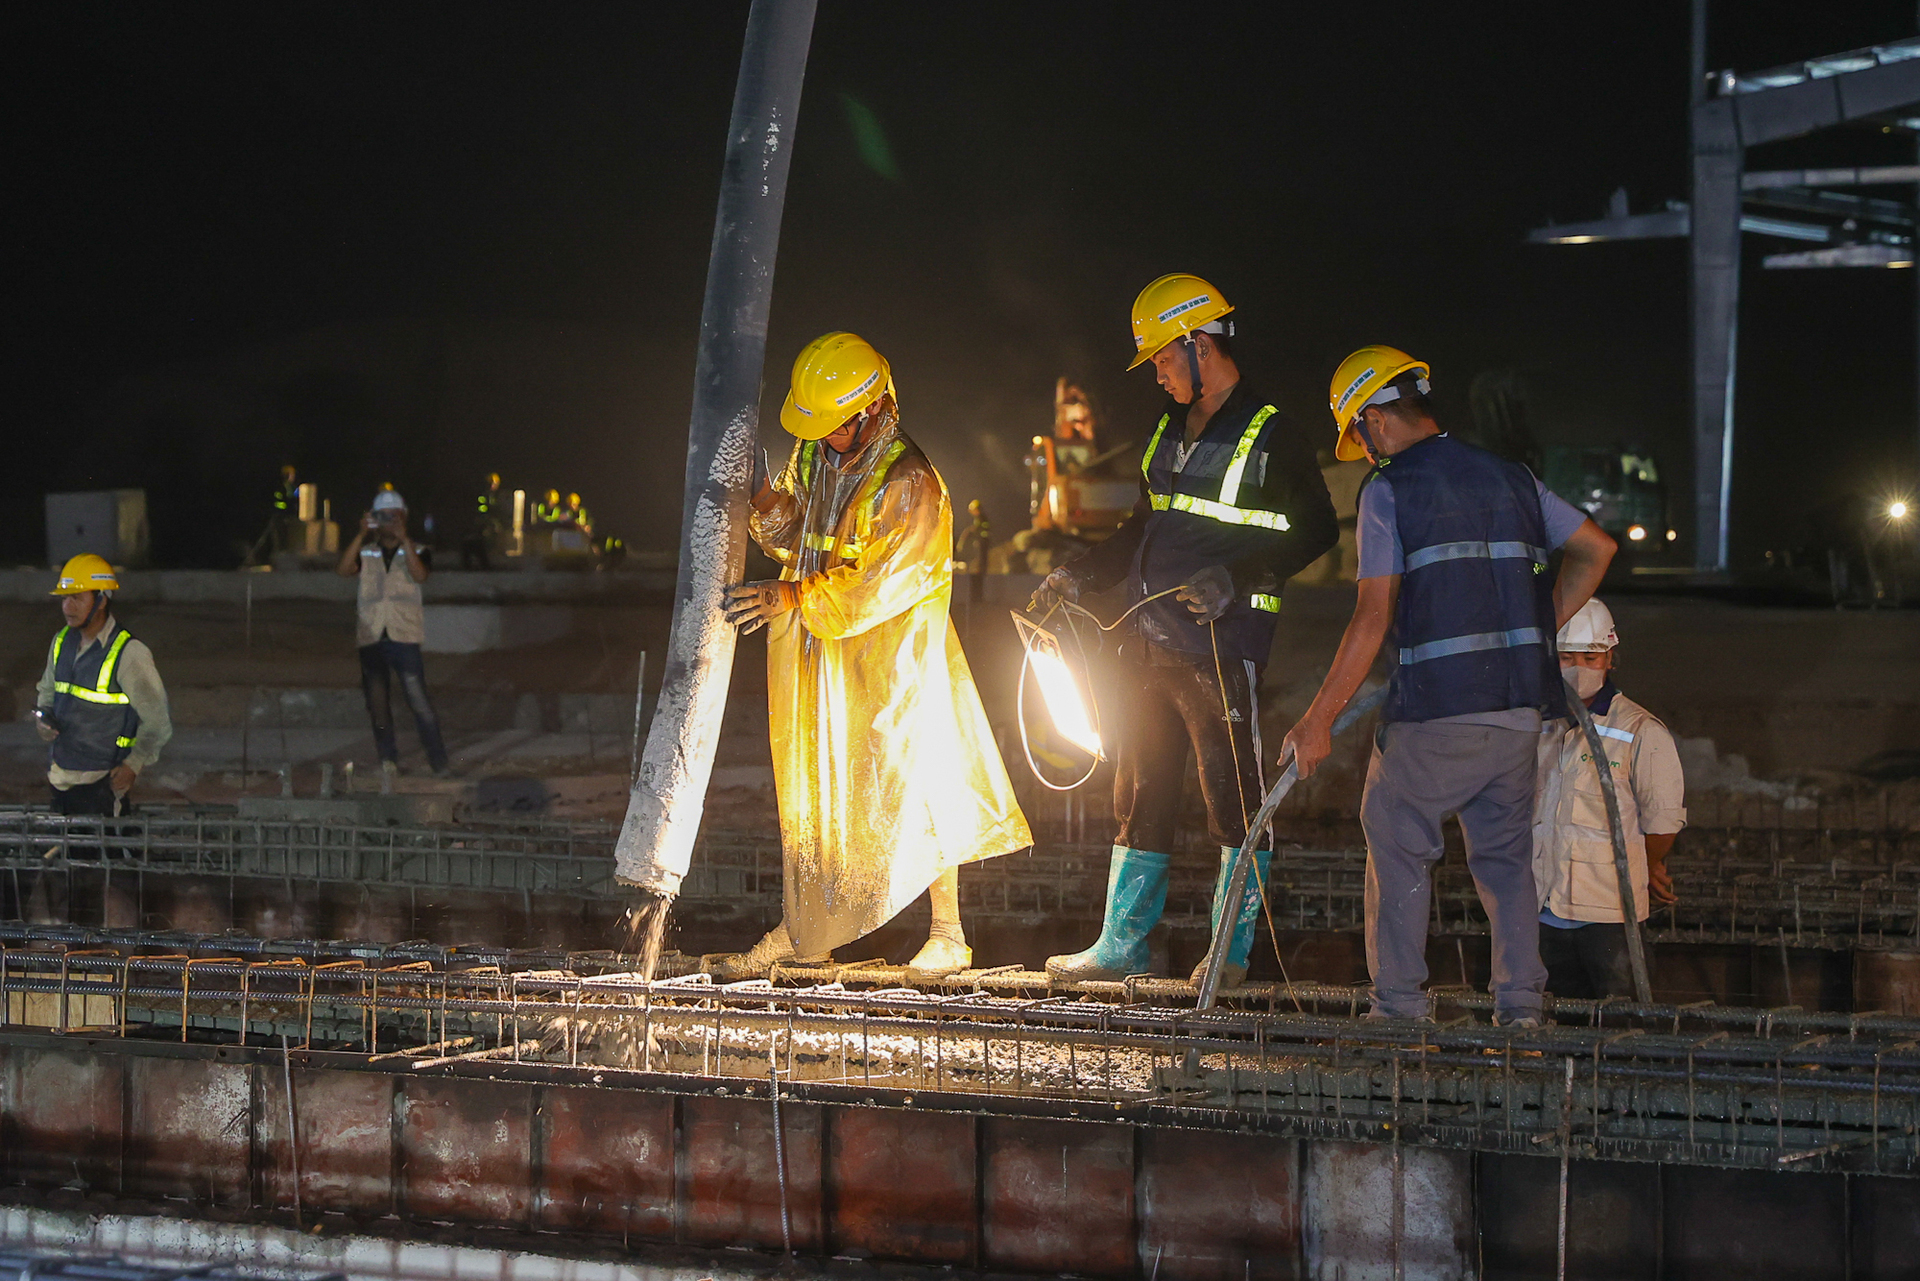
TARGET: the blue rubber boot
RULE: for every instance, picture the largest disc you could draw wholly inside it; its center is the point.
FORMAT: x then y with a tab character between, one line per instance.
1136	895
1234	972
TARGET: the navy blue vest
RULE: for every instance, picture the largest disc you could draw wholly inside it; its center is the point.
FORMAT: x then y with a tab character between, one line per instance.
1209	513
1474	625
95	717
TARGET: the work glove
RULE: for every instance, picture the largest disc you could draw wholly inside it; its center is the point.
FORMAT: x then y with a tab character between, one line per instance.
1207	593
751	606
1060	585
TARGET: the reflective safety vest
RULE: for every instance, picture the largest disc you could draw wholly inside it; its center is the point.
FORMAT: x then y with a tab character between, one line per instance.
1226	507
845	549
1209	512
1474	624
95	717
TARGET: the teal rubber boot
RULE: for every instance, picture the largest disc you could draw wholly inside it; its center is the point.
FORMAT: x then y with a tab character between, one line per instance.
1234	972
1136	895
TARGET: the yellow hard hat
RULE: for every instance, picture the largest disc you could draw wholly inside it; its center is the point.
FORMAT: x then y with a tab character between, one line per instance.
835	377
1172	306
85	573
1362	380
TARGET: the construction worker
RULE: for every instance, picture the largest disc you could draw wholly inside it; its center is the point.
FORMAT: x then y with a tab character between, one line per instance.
1583	933
548	511
391	627
577	515
489	518
885	767
1452	545
100	703
1231	505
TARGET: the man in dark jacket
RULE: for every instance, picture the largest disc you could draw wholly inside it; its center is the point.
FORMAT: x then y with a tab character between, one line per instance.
1231	506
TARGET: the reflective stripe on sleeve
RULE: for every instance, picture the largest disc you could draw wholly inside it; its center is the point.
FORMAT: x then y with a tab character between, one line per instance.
1472	644
1608	731
1265	602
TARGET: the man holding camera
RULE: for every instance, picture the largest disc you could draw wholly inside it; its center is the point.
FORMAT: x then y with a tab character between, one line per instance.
391	627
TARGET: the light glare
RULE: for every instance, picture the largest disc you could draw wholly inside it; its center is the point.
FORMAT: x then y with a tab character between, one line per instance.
1064	702
1636	532
1897	510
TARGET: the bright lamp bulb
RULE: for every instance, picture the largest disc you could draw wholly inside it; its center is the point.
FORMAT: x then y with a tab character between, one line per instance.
1897	510
1064	701
1636	532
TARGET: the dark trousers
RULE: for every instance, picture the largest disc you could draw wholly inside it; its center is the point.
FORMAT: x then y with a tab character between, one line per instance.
1587	963
379	663
89	798
1168	704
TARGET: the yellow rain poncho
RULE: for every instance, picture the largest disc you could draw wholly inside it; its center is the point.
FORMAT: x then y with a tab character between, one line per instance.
883	760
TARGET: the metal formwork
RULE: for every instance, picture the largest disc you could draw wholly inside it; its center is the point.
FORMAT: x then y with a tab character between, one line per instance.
1696	1085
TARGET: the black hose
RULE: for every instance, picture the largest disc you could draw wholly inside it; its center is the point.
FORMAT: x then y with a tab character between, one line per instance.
1630	910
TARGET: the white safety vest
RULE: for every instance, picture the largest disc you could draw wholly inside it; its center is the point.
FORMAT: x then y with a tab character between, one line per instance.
1572	845
390	600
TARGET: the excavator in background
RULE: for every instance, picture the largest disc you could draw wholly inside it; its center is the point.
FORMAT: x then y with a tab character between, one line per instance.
1077	492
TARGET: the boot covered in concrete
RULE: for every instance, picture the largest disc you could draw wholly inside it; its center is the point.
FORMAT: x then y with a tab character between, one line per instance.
774	948
1136	896
1234	972
944	954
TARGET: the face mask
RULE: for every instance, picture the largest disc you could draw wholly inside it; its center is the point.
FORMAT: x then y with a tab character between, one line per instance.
1586	680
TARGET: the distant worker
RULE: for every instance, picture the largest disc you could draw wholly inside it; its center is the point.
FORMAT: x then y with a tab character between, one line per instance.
576	514
286	499
548	511
391	627
1231	505
885	766
100	702
1453	546
489	526
1583	933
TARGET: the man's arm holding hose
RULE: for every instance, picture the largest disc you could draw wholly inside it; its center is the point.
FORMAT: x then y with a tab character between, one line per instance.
1311	739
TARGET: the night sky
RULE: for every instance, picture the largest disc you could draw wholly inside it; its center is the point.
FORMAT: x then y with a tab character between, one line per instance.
414	242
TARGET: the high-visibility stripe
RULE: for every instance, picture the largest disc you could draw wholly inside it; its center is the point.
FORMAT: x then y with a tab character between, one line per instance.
1264	601
1224	508
1146	459
849	549
1237	465
1472	644
806	463
123	742
102	690
1227	513
1608	731
1475	551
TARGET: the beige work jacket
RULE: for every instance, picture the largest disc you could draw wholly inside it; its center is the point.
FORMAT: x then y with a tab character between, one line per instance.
1572	846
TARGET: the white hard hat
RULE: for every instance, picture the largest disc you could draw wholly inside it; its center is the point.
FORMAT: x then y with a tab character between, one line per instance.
1590	631
388	500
